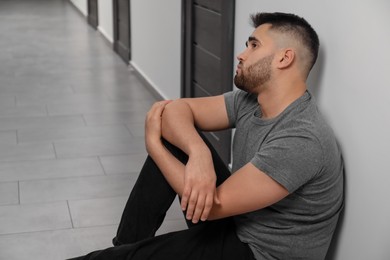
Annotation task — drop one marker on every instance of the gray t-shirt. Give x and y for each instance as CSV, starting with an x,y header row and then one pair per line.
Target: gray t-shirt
x,y
298,150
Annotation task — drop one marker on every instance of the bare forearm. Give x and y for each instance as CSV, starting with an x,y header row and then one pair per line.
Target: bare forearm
x,y
248,189
194,182
171,168
178,127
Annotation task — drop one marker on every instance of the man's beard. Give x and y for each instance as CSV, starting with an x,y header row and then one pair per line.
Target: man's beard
x,y
255,76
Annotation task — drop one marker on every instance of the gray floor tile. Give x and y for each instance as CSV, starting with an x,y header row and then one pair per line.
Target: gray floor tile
x,y
60,133
115,118
97,147
58,98
9,193
97,107
55,244
174,220
75,188
41,122
175,212
34,217
123,163
8,137
118,88
49,169
137,129
7,101
20,152
171,226
28,111
27,85
131,94
97,212
116,78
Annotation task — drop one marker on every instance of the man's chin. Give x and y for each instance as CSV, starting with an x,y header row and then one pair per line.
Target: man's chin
x,y
243,88
238,83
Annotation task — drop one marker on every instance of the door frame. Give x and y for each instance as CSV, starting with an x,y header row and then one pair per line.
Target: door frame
x,y
117,48
227,57
227,53
91,16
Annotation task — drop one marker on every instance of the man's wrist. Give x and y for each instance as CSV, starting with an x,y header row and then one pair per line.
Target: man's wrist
x,y
199,149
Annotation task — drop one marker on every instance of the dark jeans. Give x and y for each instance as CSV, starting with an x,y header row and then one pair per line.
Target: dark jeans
x,y
144,213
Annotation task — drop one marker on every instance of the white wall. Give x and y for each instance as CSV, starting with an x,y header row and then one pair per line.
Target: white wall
x,y
353,89
82,5
105,16
156,43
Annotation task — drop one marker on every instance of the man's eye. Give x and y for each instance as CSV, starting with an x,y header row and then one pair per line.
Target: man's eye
x,y
252,45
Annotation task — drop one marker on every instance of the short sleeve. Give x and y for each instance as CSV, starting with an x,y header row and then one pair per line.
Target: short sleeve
x,y
231,112
291,160
237,103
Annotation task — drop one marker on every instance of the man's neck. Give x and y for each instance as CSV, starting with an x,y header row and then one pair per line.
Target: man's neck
x,y
275,100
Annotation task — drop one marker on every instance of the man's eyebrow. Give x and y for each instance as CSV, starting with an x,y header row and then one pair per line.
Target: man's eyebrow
x,y
251,39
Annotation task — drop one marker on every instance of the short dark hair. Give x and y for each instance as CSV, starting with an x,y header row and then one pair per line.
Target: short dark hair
x,y
293,24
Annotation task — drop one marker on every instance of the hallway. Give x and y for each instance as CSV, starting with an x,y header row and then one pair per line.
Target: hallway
x,y
71,133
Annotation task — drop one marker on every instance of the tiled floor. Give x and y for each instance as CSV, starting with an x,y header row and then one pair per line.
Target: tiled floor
x,y
71,133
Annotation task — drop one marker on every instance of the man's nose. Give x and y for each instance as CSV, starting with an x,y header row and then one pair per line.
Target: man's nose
x,y
242,56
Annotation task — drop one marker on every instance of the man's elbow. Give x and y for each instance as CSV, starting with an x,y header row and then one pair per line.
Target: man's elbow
x,y
176,110
175,114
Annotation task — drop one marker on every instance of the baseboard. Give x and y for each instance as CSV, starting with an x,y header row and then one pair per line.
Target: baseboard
x,y
105,34
78,10
152,89
108,40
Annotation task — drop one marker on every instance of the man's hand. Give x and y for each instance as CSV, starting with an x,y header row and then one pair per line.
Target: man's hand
x,y
153,124
199,186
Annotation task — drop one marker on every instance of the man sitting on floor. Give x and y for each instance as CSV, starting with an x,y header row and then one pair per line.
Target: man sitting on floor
x,y
282,200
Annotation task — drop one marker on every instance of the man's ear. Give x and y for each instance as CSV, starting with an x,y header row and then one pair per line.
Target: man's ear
x,y
285,58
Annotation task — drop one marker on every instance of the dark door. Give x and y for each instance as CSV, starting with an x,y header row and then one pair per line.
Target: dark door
x,y
208,37
121,10
93,13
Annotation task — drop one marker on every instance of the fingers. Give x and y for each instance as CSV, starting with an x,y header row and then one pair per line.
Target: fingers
x,y
192,203
207,207
197,205
153,124
158,108
153,117
185,197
